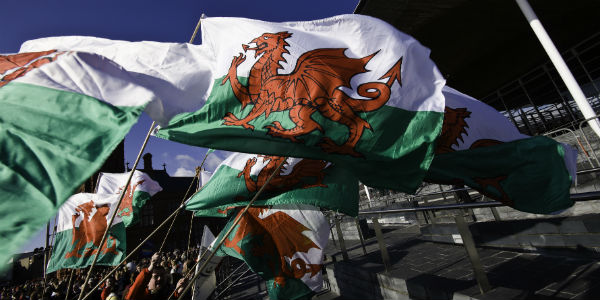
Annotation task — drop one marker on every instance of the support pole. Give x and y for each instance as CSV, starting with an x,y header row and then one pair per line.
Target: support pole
x,y
69,284
560,65
235,223
196,177
177,212
46,256
360,236
331,231
124,190
340,235
134,251
469,243
112,218
385,256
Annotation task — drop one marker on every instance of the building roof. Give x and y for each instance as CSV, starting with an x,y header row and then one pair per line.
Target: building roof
x,y
480,45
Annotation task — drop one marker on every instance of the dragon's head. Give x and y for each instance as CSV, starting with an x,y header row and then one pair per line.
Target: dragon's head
x,y
269,42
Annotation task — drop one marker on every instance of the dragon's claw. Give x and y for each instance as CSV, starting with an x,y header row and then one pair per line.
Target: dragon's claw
x,y
231,120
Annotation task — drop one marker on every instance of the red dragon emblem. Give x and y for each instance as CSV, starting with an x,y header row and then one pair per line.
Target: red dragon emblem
x,y
313,86
281,183
453,129
281,237
126,207
90,230
22,63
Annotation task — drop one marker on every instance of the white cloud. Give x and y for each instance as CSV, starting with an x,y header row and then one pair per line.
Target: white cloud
x,y
184,158
215,159
183,172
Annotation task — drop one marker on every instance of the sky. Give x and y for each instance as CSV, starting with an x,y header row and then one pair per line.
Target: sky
x,y
151,20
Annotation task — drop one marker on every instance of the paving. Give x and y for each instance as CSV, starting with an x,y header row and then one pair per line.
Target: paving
x,y
431,270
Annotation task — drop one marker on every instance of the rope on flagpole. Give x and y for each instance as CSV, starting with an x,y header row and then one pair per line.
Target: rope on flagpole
x,y
178,210
134,251
196,177
69,284
191,269
51,242
192,217
124,190
235,223
112,218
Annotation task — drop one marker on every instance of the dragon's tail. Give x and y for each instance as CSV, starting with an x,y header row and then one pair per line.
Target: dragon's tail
x,y
379,93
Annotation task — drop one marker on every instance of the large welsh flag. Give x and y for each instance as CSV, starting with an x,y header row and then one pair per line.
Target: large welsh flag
x,y
300,181
140,189
61,115
481,148
349,89
283,244
81,223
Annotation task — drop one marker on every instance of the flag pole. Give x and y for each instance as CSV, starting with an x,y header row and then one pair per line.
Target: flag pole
x,y
197,177
192,217
134,250
235,223
178,210
560,65
46,251
69,284
112,218
128,181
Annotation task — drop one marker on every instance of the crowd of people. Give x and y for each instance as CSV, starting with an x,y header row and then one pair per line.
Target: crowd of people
x,y
152,278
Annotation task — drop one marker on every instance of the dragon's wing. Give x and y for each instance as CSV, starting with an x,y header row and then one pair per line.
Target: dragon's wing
x,y
318,73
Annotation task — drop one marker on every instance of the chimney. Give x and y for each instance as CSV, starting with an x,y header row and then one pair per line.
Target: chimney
x,y
147,161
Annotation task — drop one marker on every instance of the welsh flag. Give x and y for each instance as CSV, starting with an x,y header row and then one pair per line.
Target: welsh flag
x,y
61,115
140,189
283,244
481,148
205,177
82,220
300,181
349,89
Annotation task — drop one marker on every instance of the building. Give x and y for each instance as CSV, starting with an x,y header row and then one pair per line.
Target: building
x,y
161,206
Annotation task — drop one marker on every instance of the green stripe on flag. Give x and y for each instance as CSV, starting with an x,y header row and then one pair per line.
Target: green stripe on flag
x,y
51,141
528,174
65,256
226,190
131,217
400,143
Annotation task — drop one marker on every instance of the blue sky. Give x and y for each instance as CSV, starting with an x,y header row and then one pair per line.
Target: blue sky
x,y
135,20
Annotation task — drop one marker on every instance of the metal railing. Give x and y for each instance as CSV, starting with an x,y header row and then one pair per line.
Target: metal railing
x,y
463,228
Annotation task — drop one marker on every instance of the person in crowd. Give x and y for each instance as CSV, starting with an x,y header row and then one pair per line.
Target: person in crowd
x,y
151,283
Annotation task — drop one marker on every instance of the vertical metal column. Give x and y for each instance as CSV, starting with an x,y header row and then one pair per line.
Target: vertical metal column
x,y
587,74
443,193
385,257
565,102
469,243
507,110
533,104
360,236
341,238
331,230
429,213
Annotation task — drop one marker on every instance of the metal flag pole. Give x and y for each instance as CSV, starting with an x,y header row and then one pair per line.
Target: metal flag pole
x,y
235,223
560,65
112,218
